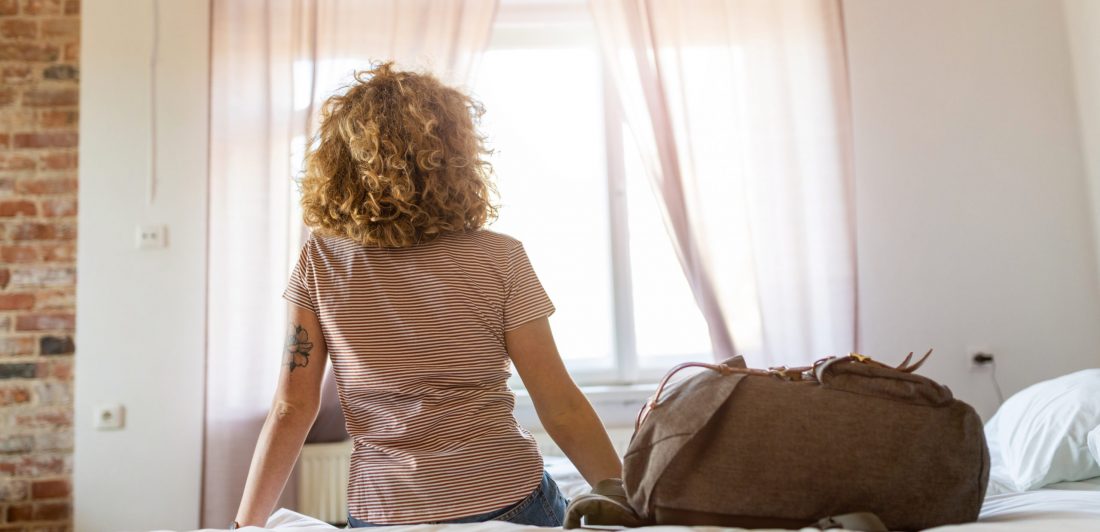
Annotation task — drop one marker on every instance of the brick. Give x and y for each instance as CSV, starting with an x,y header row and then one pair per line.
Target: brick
x,y
21,51
7,96
72,7
14,395
45,420
42,231
47,527
53,441
51,489
51,97
14,346
59,207
16,444
20,119
72,52
56,345
18,28
52,511
42,7
55,300
57,119
18,254
19,513
5,323
16,162
13,491
46,186
14,74
61,369
20,370
45,322
61,28
42,277
53,393
65,252
9,8
53,139
17,208
32,231
36,465
5,277
61,71
16,301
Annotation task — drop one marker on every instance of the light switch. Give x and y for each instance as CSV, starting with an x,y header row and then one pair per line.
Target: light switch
x,y
110,417
152,236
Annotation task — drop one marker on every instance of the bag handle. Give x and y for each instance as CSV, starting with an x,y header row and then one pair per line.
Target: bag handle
x,y
606,505
813,372
861,521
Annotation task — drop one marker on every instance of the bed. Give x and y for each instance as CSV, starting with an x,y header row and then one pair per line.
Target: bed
x,y
1036,439
1065,507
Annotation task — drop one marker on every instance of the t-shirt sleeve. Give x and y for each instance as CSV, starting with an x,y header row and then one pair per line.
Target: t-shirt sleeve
x,y
298,288
524,300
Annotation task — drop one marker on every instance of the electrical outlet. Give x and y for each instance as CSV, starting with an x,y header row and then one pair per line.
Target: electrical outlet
x,y
980,356
110,417
152,236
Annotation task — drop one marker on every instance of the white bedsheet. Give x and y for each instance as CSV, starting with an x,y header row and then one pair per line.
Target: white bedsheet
x,y
1068,507
1063,507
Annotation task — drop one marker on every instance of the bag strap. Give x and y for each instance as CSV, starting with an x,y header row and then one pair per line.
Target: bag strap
x,y
605,506
861,521
736,365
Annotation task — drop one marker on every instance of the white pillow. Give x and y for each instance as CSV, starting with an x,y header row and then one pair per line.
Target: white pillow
x,y
1042,432
1094,444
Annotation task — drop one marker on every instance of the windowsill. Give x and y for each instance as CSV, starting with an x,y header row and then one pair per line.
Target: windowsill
x,y
617,405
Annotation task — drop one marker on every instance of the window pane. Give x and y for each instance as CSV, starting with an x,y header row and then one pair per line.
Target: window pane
x,y
669,328
544,120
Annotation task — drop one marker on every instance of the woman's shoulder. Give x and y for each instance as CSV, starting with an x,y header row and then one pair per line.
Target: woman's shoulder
x,y
489,239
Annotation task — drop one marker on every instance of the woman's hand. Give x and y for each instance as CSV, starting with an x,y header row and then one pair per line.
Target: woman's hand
x,y
292,414
564,411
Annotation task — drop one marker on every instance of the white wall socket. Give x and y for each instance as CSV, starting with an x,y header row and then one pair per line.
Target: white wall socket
x,y
110,417
153,236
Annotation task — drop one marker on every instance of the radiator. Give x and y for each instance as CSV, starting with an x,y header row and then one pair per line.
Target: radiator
x,y
323,481
323,474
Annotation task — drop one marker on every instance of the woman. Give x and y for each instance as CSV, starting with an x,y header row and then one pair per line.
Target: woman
x,y
421,311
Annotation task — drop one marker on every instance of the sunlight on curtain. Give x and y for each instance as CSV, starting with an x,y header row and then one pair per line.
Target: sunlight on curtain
x,y
740,112
550,172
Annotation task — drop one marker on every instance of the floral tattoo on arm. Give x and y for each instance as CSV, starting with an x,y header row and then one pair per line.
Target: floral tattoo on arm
x,y
298,347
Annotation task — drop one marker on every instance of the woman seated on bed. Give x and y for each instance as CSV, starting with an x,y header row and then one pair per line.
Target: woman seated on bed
x,y
420,310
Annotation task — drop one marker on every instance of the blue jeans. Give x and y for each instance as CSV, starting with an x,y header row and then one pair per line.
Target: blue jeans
x,y
543,507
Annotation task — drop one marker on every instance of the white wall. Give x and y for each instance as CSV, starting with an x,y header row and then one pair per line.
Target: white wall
x,y
1083,24
973,218
140,314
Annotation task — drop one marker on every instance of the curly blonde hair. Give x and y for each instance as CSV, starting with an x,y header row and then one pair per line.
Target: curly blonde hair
x,y
398,161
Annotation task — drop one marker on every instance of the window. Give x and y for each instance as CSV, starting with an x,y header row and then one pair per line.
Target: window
x,y
573,189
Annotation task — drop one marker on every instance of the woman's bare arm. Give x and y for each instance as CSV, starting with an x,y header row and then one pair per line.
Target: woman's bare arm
x,y
564,411
292,414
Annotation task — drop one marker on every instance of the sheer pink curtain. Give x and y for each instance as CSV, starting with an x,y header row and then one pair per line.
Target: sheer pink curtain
x,y
740,110
274,62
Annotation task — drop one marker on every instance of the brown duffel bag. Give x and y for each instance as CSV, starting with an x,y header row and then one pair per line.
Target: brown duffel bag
x,y
834,444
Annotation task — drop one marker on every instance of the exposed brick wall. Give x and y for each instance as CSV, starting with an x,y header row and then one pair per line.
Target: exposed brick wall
x,y
39,82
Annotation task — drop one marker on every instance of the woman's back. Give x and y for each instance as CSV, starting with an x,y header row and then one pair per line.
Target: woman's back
x,y
416,338
420,310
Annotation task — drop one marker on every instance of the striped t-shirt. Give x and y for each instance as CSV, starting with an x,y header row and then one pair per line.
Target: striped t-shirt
x,y
416,339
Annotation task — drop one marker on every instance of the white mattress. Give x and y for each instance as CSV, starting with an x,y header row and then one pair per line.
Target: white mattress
x,y
1065,507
